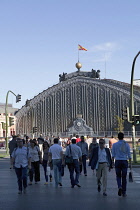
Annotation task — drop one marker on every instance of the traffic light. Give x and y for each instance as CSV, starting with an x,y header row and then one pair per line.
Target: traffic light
x,y
11,121
125,113
18,98
34,129
136,119
3,125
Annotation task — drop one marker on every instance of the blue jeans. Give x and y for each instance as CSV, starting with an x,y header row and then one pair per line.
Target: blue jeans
x,y
121,173
72,167
84,158
21,177
57,171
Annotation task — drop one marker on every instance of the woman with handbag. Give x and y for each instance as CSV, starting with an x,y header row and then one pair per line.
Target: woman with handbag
x,y
46,168
36,159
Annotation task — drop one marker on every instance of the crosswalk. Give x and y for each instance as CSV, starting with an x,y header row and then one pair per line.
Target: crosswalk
x,y
136,177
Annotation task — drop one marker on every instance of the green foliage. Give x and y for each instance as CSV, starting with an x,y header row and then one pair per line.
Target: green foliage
x,y
120,124
3,155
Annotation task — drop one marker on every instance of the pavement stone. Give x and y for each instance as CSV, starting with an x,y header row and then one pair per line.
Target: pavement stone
x,y
42,197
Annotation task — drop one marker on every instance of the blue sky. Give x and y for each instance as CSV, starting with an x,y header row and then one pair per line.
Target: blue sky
x,y
39,40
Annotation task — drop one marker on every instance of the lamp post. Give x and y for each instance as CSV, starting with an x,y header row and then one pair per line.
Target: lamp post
x,y
18,98
132,108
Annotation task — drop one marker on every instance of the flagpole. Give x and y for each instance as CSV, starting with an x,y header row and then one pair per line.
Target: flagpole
x,y
78,54
105,65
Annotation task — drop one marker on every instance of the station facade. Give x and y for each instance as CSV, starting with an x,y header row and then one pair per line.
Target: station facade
x,y
83,93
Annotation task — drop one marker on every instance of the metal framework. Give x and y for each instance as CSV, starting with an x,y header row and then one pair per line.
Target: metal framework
x,y
97,100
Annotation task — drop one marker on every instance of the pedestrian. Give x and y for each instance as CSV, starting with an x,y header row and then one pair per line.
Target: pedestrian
x,y
100,160
88,140
92,145
68,142
36,159
77,139
84,148
47,139
21,159
51,140
45,162
60,141
121,154
27,141
111,142
56,157
12,145
106,141
40,141
74,151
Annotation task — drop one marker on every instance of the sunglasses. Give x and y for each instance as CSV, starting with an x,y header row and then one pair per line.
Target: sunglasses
x,y
101,142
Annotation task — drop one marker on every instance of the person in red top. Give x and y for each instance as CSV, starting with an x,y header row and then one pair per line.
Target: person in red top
x,y
111,142
77,139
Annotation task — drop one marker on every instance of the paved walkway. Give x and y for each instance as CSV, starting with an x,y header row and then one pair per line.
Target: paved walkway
x,y
41,197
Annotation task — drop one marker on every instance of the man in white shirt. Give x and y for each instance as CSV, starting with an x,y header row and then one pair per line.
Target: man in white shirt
x,y
106,141
56,155
21,159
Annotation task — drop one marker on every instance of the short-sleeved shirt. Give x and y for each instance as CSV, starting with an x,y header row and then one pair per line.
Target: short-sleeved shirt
x,y
21,156
106,142
34,152
55,150
76,152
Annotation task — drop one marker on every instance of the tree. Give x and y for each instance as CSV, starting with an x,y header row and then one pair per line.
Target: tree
x,y
120,124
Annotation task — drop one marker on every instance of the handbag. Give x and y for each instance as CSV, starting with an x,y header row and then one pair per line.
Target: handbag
x,y
130,176
69,159
50,164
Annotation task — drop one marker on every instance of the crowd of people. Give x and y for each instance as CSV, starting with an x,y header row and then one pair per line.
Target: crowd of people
x,y
27,155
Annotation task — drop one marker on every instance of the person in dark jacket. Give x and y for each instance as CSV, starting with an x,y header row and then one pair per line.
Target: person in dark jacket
x,y
100,160
12,146
92,145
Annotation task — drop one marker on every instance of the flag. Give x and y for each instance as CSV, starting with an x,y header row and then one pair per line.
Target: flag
x,y
81,48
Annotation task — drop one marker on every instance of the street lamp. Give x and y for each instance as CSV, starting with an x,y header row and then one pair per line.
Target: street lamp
x,y
18,98
132,109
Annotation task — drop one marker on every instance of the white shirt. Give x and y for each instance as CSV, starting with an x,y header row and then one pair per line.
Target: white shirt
x,y
55,150
102,156
21,156
34,153
106,142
